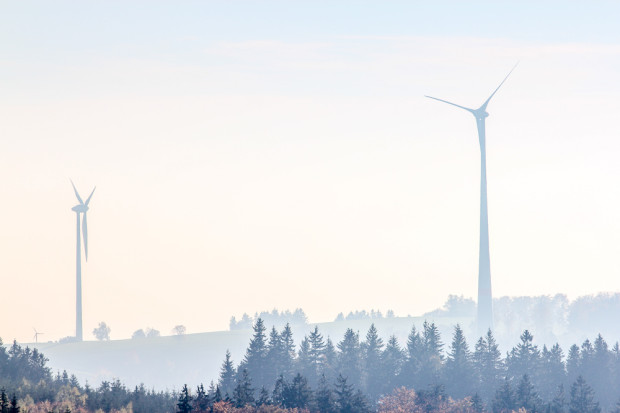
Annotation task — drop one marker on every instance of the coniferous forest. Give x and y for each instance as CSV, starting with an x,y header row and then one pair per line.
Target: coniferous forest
x,y
356,374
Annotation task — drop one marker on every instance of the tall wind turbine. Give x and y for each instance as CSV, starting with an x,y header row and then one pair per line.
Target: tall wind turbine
x,y
484,318
81,208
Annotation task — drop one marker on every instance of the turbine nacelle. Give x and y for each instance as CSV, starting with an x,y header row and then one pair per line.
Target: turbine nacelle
x,y
80,208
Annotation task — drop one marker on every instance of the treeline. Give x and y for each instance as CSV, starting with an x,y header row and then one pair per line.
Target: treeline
x,y
27,385
275,318
528,377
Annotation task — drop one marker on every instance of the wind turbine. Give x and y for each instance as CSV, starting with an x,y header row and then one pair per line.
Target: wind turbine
x,y
36,335
81,208
484,318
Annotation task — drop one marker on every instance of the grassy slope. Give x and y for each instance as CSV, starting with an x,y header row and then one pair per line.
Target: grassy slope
x,y
169,362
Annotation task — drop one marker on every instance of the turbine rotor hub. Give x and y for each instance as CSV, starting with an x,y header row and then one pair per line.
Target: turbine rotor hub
x,y
80,208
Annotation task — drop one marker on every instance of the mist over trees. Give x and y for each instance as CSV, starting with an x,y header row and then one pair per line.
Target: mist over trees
x,y
424,373
360,372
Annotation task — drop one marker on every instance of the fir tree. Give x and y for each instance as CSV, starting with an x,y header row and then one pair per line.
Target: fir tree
x,y
526,395
277,396
274,357
263,397
202,401
524,359
316,356
558,403
476,404
432,355
256,355
411,368
374,377
330,363
324,396
14,408
573,363
551,371
288,351
185,401
392,360
244,393
4,401
488,365
582,398
344,395
458,375
349,357
303,362
227,375
504,400
297,394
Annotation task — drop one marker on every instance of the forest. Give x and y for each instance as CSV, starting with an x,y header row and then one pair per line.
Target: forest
x,y
353,375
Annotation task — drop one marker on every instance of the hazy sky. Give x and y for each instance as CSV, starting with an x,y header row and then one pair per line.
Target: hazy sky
x,y
259,154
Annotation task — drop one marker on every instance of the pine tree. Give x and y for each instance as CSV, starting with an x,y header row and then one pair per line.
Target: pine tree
x,y
524,359
558,403
488,366
324,396
373,376
476,404
263,397
349,359
601,372
526,395
330,363
504,400
411,368
288,351
244,393
458,372
432,355
274,357
14,408
303,362
255,357
277,396
227,375
4,401
582,398
344,395
185,401
316,356
392,360
297,394
552,371
202,402
573,363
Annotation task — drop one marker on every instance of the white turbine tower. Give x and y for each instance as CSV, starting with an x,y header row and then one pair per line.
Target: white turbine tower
x,y
484,318
81,208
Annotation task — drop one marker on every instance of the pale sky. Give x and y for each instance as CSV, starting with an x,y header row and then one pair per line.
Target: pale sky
x,y
251,155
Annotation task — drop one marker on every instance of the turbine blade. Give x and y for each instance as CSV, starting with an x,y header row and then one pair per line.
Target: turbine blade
x,y
76,193
484,106
90,196
450,103
85,236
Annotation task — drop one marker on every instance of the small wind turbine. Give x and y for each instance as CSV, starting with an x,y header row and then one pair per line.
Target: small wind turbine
x,y
81,208
36,335
485,297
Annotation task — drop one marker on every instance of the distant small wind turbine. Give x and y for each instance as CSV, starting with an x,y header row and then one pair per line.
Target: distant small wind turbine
x,y
485,297
36,335
81,208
